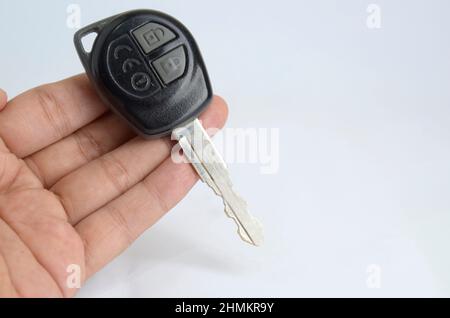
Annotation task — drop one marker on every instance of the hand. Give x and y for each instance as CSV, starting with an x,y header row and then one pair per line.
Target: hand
x,y
77,186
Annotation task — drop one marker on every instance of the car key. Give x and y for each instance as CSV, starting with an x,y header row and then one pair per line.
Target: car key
x,y
148,68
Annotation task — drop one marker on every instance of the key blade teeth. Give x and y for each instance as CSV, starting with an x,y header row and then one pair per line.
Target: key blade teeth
x,y
251,231
254,241
254,236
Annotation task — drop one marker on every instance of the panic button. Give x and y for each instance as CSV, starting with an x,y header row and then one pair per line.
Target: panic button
x,y
171,66
153,35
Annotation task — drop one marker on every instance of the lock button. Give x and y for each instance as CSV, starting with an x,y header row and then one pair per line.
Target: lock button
x,y
152,36
171,66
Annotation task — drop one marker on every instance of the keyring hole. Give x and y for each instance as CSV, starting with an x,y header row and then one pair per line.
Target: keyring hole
x,y
88,41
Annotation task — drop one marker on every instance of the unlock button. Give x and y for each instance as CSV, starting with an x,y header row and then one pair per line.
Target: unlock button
x,y
172,65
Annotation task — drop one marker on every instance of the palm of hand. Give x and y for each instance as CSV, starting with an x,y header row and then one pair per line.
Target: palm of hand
x,y
77,187
36,236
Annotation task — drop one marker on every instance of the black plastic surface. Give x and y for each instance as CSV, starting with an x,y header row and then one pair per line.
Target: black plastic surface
x,y
126,79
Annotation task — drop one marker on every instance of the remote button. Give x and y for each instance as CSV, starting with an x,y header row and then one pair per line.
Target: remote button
x,y
152,35
171,66
129,70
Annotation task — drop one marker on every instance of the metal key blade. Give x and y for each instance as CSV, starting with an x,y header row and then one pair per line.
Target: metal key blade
x,y
201,153
205,177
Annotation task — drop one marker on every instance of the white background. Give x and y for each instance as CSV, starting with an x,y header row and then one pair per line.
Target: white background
x,y
364,152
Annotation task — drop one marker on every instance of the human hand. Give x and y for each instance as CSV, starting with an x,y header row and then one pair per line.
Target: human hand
x,y
77,186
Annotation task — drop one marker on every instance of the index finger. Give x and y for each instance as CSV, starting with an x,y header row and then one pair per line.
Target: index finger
x,y
46,114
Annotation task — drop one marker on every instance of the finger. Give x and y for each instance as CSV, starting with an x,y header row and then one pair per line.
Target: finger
x,y
88,143
3,99
47,114
100,181
110,230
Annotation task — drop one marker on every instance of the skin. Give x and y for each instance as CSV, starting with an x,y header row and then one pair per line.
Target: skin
x,y
77,186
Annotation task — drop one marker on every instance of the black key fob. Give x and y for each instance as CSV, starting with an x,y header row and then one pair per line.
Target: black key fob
x,y
148,68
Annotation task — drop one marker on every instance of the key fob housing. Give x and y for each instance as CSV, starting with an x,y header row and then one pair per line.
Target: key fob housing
x,y
148,68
